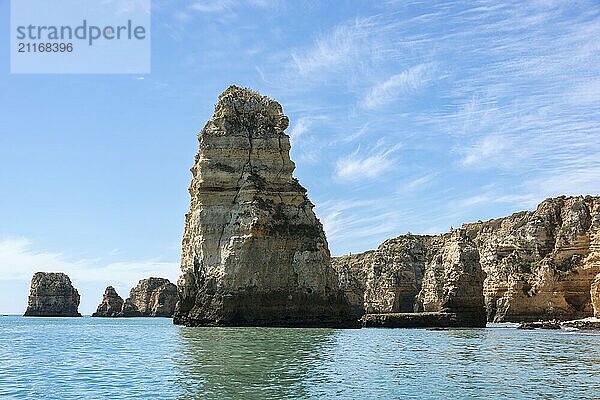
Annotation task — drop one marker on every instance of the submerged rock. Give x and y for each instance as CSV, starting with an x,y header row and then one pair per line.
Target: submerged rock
x,y
152,297
52,295
420,320
253,251
539,325
112,304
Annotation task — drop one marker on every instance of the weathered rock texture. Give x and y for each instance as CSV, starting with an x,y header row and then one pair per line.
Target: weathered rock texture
x,y
112,304
595,296
540,265
253,251
439,276
52,295
152,297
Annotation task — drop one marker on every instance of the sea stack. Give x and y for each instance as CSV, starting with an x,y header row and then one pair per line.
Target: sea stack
x,y
112,304
52,295
253,251
151,297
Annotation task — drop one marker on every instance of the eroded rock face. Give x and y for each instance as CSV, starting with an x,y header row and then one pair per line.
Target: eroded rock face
x,y
151,297
52,295
386,280
112,304
253,251
539,265
438,275
453,279
595,296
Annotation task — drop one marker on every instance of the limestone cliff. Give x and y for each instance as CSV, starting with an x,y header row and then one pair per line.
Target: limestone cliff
x,y
151,297
410,273
453,279
538,265
253,251
112,304
52,295
595,296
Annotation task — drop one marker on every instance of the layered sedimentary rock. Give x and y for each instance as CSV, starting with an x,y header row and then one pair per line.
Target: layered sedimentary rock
x,y
539,265
112,304
152,297
52,295
253,251
595,296
439,276
453,279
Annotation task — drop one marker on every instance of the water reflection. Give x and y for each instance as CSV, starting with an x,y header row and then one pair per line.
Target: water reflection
x,y
248,363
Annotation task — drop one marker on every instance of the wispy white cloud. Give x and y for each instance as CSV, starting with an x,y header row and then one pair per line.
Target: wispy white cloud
x,y
20,259
489,151
332,52
417,183
371,164
407,82
299,128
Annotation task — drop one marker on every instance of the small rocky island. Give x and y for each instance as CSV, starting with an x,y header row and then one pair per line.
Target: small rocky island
x,y
253,252
152,297
52,295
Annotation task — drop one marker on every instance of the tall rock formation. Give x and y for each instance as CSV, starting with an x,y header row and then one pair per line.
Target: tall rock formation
x,y
52,295
253,251
112,304
538,264
151,297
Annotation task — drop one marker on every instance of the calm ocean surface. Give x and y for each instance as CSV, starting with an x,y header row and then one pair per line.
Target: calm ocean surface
x,y
149,358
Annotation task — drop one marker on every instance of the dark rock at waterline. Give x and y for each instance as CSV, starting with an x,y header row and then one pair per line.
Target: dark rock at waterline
x,y
151,297
423,320
112,304
539,325
52,295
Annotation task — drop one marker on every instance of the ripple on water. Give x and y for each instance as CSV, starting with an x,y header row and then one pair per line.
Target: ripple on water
x,y
147,358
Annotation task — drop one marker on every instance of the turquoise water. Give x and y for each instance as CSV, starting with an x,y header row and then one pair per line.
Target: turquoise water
x,y
149,358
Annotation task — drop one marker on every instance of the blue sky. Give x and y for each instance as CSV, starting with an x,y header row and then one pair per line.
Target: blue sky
x,y
405,117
